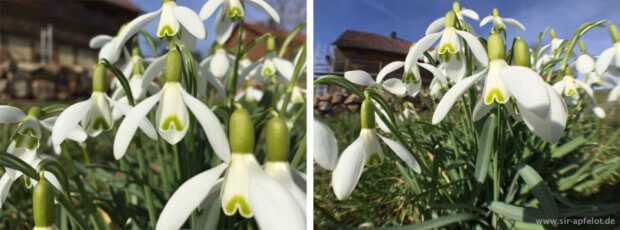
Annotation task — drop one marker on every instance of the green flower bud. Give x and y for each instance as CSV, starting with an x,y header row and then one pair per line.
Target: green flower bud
x,y
271,44
368,115
277,140
456,6
521,53
241,133
43,203
495,12
450,19
34,111
164,1
99,78
137,67
495,47
552,33
173,66
135,51
613,31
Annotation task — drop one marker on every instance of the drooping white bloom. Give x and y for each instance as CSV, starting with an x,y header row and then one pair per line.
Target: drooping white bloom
x,y
325,146
568,87
231,12
614,95
274,66
585,65
461,13
250,94
392,85
501,22
107,47
365,150
32,158
605,59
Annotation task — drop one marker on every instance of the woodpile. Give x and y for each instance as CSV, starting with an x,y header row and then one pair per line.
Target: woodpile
x,y
43,82
336,103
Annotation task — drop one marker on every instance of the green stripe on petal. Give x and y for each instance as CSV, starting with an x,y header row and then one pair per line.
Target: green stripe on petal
x,y
101,123
494,94
165,30
238,203
172,119
374,159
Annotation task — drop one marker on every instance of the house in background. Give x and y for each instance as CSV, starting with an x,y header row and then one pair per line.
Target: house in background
x,y
44,44
253,30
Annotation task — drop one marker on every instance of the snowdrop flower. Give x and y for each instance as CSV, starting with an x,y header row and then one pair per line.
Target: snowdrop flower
x,y
541,109
231,12
392,85
273,66
614,95
220,62
325,146
585,65
43,208
136,83
28,133
277,145
173,18
499,23
607,56
107,47
365,150
568,87
250,94
439,81
93,115
461,13
172,117
245,188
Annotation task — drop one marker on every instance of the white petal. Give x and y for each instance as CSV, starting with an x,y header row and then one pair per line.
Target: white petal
x,y
586,88
585,64
598,111
282,172
77,134
187,197
551,127
453,95
267,8
10,114
145,125
272,205
476,47
219,64
395,86
436,73
614,95
481,109
172,117
527,87
110,51
219,87
604,60
389,68
284,68
223,27
435,26
133,27
153,70
188,39
208,8
349,169
559,86
359,77
5,186
414,88
190,21
211,125
325,146
514,23
402,153
128,127
422,46
486,20
99,40
470,14
236,186
68,120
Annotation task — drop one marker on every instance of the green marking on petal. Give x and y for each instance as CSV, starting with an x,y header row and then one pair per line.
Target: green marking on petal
x,y
447,47
235,13
19,140
32,143
100,123
172,119
374,159
570,92
267,72
165,30
494,94
238,201
28,131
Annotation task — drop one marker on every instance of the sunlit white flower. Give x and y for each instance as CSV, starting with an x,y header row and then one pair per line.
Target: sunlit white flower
x,y
392,85
325,146
32,158
172,117
585,65
245,189
231,12
366,149
461,13
568,87
172,20
614,95
439,81
136,85
274,66
605,59
500,23
249,94
107,47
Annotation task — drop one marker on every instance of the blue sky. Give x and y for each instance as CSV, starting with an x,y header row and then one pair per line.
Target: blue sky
x,y
252,15
409,18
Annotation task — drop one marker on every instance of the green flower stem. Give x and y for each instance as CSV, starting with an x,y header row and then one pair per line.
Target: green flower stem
x,y
91,170
291,85
232,84
162,152
148,194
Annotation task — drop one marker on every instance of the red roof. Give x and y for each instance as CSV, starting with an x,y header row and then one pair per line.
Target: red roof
x,y
260,28
366,40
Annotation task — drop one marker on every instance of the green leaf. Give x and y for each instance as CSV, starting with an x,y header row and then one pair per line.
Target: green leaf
x,y
122,79
189,68
519,213
290,38
253,42
485,149
55,108
540,189
438,222
339,81
13,162
150,41
68,206
52,166
567,148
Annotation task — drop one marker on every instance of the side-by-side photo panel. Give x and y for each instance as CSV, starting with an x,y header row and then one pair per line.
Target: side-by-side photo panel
x,y
466,115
